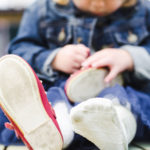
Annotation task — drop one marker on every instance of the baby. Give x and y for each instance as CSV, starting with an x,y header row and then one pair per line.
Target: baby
x,y
64,37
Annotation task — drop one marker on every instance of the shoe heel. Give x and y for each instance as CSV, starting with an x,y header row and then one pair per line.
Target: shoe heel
x,y
44,137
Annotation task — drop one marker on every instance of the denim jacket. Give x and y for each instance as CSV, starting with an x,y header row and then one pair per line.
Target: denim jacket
x,y
47,26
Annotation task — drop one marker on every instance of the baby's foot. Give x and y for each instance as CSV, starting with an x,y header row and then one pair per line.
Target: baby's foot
x,y
96,119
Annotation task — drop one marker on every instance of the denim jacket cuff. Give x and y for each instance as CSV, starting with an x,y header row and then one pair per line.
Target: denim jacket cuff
x,y
141,59
47,69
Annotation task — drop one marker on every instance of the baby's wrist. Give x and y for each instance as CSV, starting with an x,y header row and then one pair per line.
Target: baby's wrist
x,y
55,63
129,59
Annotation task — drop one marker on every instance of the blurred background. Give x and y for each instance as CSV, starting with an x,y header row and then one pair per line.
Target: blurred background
x,y
10,15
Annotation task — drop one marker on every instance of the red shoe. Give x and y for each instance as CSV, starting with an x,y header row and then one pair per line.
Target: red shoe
x,y
88,83
24,102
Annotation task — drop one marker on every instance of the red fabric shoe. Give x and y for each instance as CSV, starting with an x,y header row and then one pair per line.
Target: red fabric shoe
x,y
88,83
24,102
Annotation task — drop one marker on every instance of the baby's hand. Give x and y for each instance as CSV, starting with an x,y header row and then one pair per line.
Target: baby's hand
x,y
116,60
70,58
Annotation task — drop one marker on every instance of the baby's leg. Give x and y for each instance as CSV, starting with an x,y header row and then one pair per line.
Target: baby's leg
x,y
62,108
103,123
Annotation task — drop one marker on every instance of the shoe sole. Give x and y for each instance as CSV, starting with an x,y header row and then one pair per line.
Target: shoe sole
x,y
97,120
87,84
24,106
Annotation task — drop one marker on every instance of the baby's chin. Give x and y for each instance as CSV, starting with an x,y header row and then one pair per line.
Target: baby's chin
x,y
101,14
97,13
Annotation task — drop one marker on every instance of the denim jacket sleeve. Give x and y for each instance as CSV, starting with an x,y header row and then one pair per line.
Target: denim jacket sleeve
x,y
141,53
31,46
141,70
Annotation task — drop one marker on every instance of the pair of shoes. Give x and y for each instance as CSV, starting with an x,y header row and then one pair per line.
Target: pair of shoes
x,y
88,83
24,102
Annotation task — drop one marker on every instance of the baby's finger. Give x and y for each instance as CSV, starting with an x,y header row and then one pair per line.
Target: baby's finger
x,y
74,70
83,50
112,74
76,65
79,59
101,63
89,61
